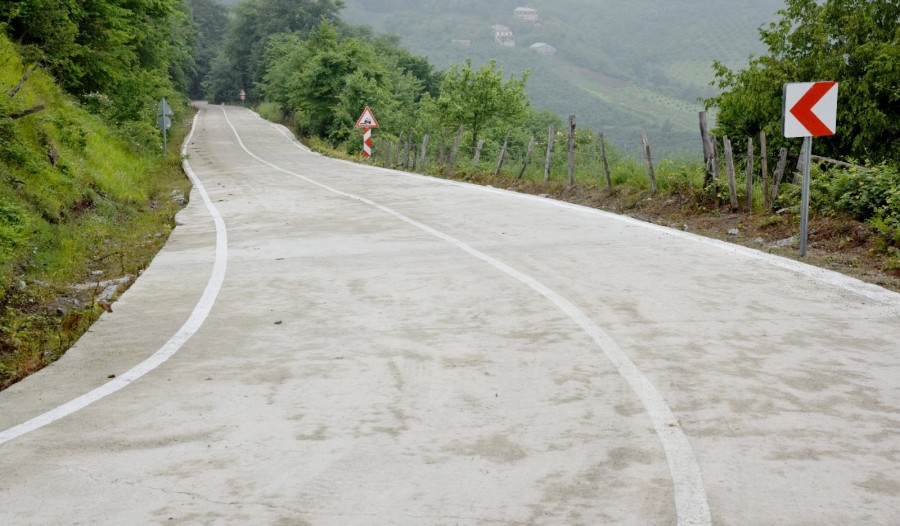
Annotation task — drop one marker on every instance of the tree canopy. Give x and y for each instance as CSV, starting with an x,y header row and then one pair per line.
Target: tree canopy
x,y
241,62
118,57
481,99
854,42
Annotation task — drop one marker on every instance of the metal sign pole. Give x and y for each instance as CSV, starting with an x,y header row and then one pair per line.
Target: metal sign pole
x,y
804,199
163,121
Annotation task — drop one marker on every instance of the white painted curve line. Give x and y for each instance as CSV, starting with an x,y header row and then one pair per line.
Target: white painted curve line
x,y
822,275
191,326
691,504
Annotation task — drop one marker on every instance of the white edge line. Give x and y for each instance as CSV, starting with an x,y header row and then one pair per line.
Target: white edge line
x,y
691,504
188,329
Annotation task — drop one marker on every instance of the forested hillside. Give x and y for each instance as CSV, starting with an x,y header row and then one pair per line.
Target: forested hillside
x,y
620,65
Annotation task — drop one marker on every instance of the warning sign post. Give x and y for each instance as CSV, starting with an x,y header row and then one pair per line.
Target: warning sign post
x,y
367,121
810,110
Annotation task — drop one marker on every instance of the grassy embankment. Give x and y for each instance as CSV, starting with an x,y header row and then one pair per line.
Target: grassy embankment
x,y
79,204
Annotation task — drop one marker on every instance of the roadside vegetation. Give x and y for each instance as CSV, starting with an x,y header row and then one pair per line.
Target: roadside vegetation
x,y
87,197
855,203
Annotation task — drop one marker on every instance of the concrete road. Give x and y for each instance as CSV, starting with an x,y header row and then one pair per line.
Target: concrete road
x,y
331,344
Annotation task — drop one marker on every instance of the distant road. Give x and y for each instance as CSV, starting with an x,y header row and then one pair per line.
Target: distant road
x,y
327,343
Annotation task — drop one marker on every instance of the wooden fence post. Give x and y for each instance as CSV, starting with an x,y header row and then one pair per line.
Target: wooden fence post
x,y
455,149
424,151
551,135
764,166
502,155
22,81
729,166
649,161
605,160
409,138
571,150
399,151
798,175
527,158
477,156
779,171
749,174
714,160
404,155
707,153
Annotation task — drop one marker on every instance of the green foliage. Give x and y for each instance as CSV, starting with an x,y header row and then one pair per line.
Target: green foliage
x,y
871,195
119,57
211,19
242,63
481,100
621,66
855,42
102,202
326,80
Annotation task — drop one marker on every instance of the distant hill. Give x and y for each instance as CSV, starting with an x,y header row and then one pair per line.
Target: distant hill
x,y
620,65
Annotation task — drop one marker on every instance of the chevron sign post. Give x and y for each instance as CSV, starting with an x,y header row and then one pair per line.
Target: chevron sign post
x,y
810,110
367,121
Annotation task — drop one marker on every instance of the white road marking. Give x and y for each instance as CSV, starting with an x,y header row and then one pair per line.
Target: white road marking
x,y
191,326
828,277
691,505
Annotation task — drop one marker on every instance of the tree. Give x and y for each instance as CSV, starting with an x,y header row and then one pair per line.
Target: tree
x,y
325,81
241,63
481,99
211,20
119,57
855,42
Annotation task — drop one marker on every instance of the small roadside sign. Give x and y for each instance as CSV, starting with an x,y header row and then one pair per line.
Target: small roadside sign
x,y
243,95
367,119
810,109
164,108
163,122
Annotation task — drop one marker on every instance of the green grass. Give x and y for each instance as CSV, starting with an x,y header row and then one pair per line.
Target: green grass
x,y
103,209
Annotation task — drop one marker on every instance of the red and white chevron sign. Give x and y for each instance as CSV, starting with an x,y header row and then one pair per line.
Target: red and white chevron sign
x,y
367,142
810,109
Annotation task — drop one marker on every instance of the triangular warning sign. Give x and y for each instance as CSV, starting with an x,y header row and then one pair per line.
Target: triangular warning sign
x,y
367,120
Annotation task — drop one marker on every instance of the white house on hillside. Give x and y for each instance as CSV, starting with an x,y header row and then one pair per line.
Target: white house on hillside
x,y
527,14
503,35
543,49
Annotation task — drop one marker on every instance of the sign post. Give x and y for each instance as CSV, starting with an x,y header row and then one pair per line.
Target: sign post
x,y
163,121
243,96
367,121
810,110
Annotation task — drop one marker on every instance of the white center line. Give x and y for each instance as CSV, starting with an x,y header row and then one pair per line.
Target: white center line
x,y
691,505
